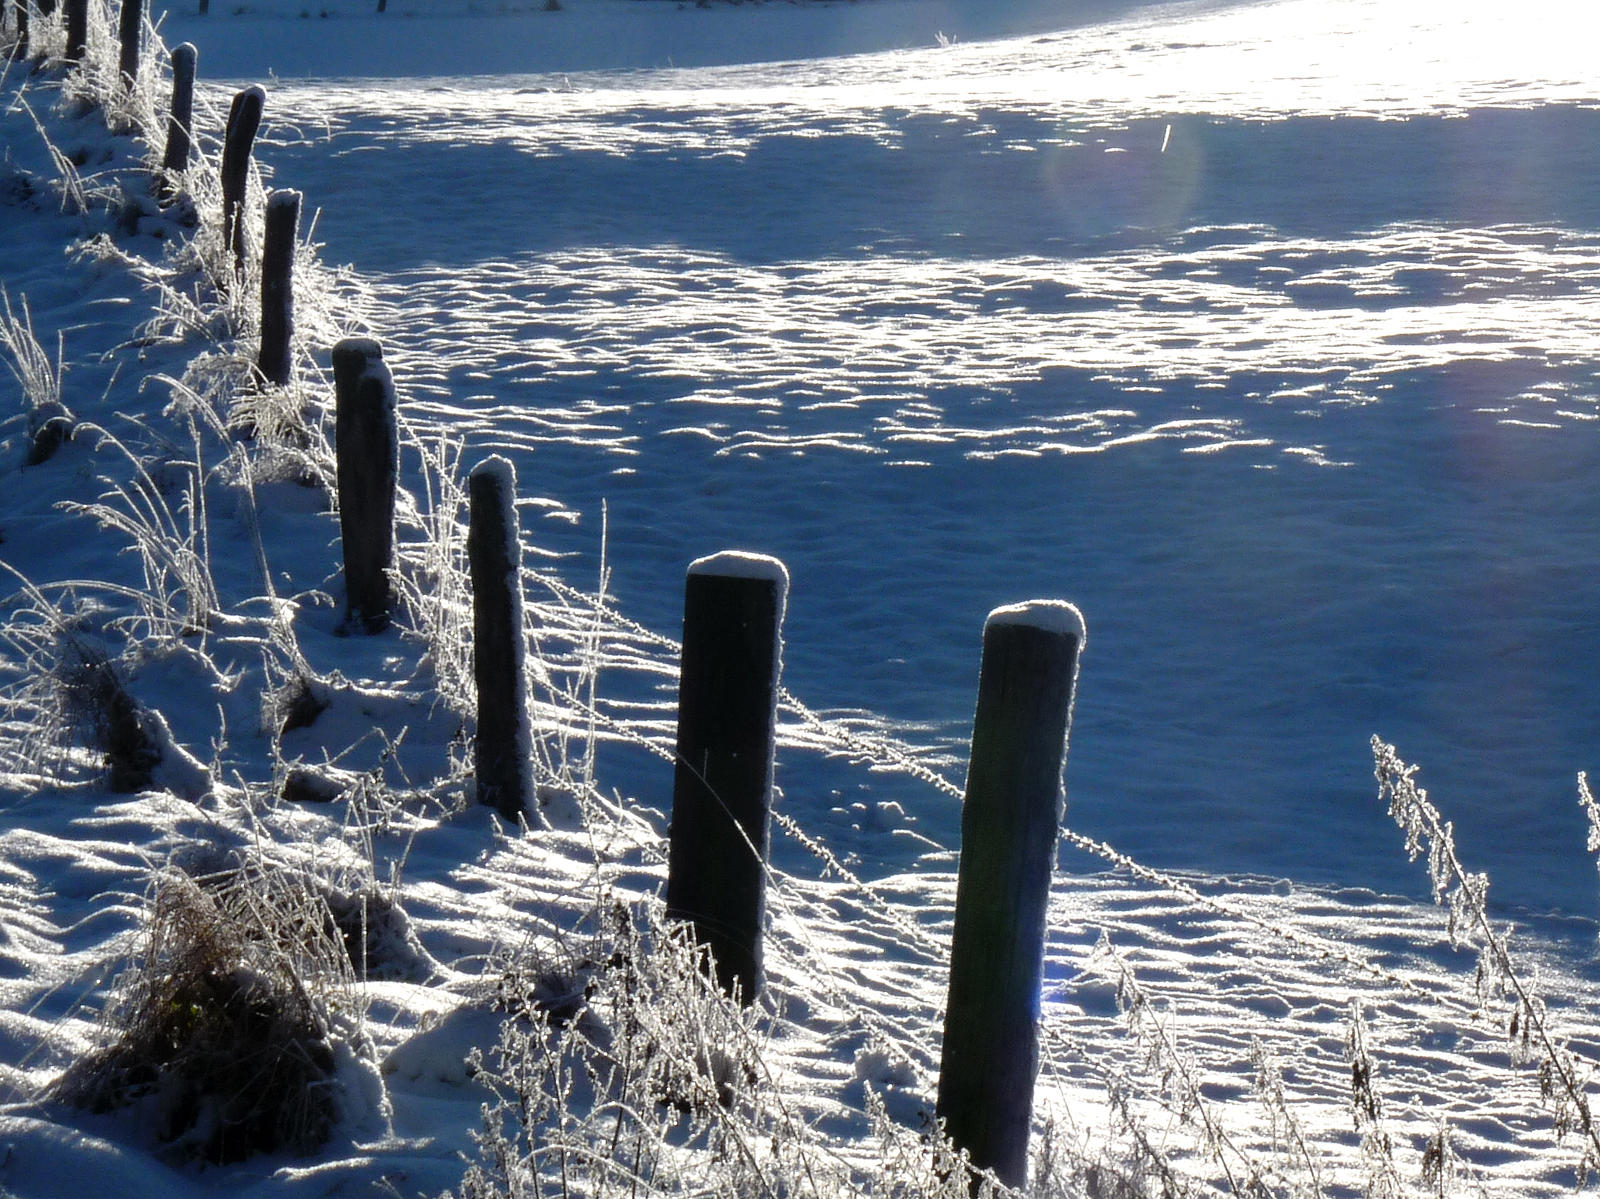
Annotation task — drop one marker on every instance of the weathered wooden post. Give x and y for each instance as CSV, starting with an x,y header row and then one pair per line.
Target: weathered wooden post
x,y
275,359
77,30
19,49
503,750
130,28
722,783
244,120
367,451
180,119
1009,826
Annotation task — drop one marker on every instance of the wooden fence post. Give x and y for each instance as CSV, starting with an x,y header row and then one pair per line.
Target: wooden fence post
x,y
19,50
1008,844
244,120
180,119
722,782
275,360
77,30
503,749
130,27
367,451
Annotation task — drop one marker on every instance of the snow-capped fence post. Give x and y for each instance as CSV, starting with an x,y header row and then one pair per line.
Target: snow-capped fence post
x,y
722,782
244,120
503,749
1009,825
175,161
367,452
130,26
275,360
77,30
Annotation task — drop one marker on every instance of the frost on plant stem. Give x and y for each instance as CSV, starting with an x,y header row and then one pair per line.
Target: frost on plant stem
x,y
1591,812
1366,1108
1564,1078
1178,1085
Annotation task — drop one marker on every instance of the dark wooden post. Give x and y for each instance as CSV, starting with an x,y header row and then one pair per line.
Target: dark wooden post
x,y
503,750
722,784
19,50
367,449
77,29
1008,845
244,120
180,120
275,361
130,28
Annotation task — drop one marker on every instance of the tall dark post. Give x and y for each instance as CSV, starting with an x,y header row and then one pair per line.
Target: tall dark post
x,y
244,120
722,783
1008,843
367,450
275,361
77,29
130,28
180,120
19,49
503,749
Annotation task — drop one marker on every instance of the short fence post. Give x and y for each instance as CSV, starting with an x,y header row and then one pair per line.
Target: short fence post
x,y
275,361
244,120
130,26
503,750
367,451
180,120
722,783
77,30
1008,843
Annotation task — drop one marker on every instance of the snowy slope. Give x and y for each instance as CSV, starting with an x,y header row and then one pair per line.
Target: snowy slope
x,y
941,327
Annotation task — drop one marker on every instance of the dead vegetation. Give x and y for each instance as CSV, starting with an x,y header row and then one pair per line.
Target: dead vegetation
x,y
226,1032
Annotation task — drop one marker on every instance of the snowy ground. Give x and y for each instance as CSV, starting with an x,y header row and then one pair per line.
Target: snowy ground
x,y
1263,332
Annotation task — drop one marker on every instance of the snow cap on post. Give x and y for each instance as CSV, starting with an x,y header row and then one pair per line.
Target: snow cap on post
x,y
742,564
1050,615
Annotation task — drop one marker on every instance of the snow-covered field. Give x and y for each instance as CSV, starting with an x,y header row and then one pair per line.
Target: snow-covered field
x,y
1263,332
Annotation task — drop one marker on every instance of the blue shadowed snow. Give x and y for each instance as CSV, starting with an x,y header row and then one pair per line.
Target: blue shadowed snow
x,y
1338,376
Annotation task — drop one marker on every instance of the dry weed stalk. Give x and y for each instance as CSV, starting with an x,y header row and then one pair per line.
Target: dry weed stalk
x,y
1564,1078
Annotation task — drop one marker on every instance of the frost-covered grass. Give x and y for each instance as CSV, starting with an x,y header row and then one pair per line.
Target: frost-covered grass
x,y
300,898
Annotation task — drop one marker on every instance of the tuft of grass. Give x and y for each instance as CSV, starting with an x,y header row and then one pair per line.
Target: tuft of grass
x,y
224,1039
49,421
